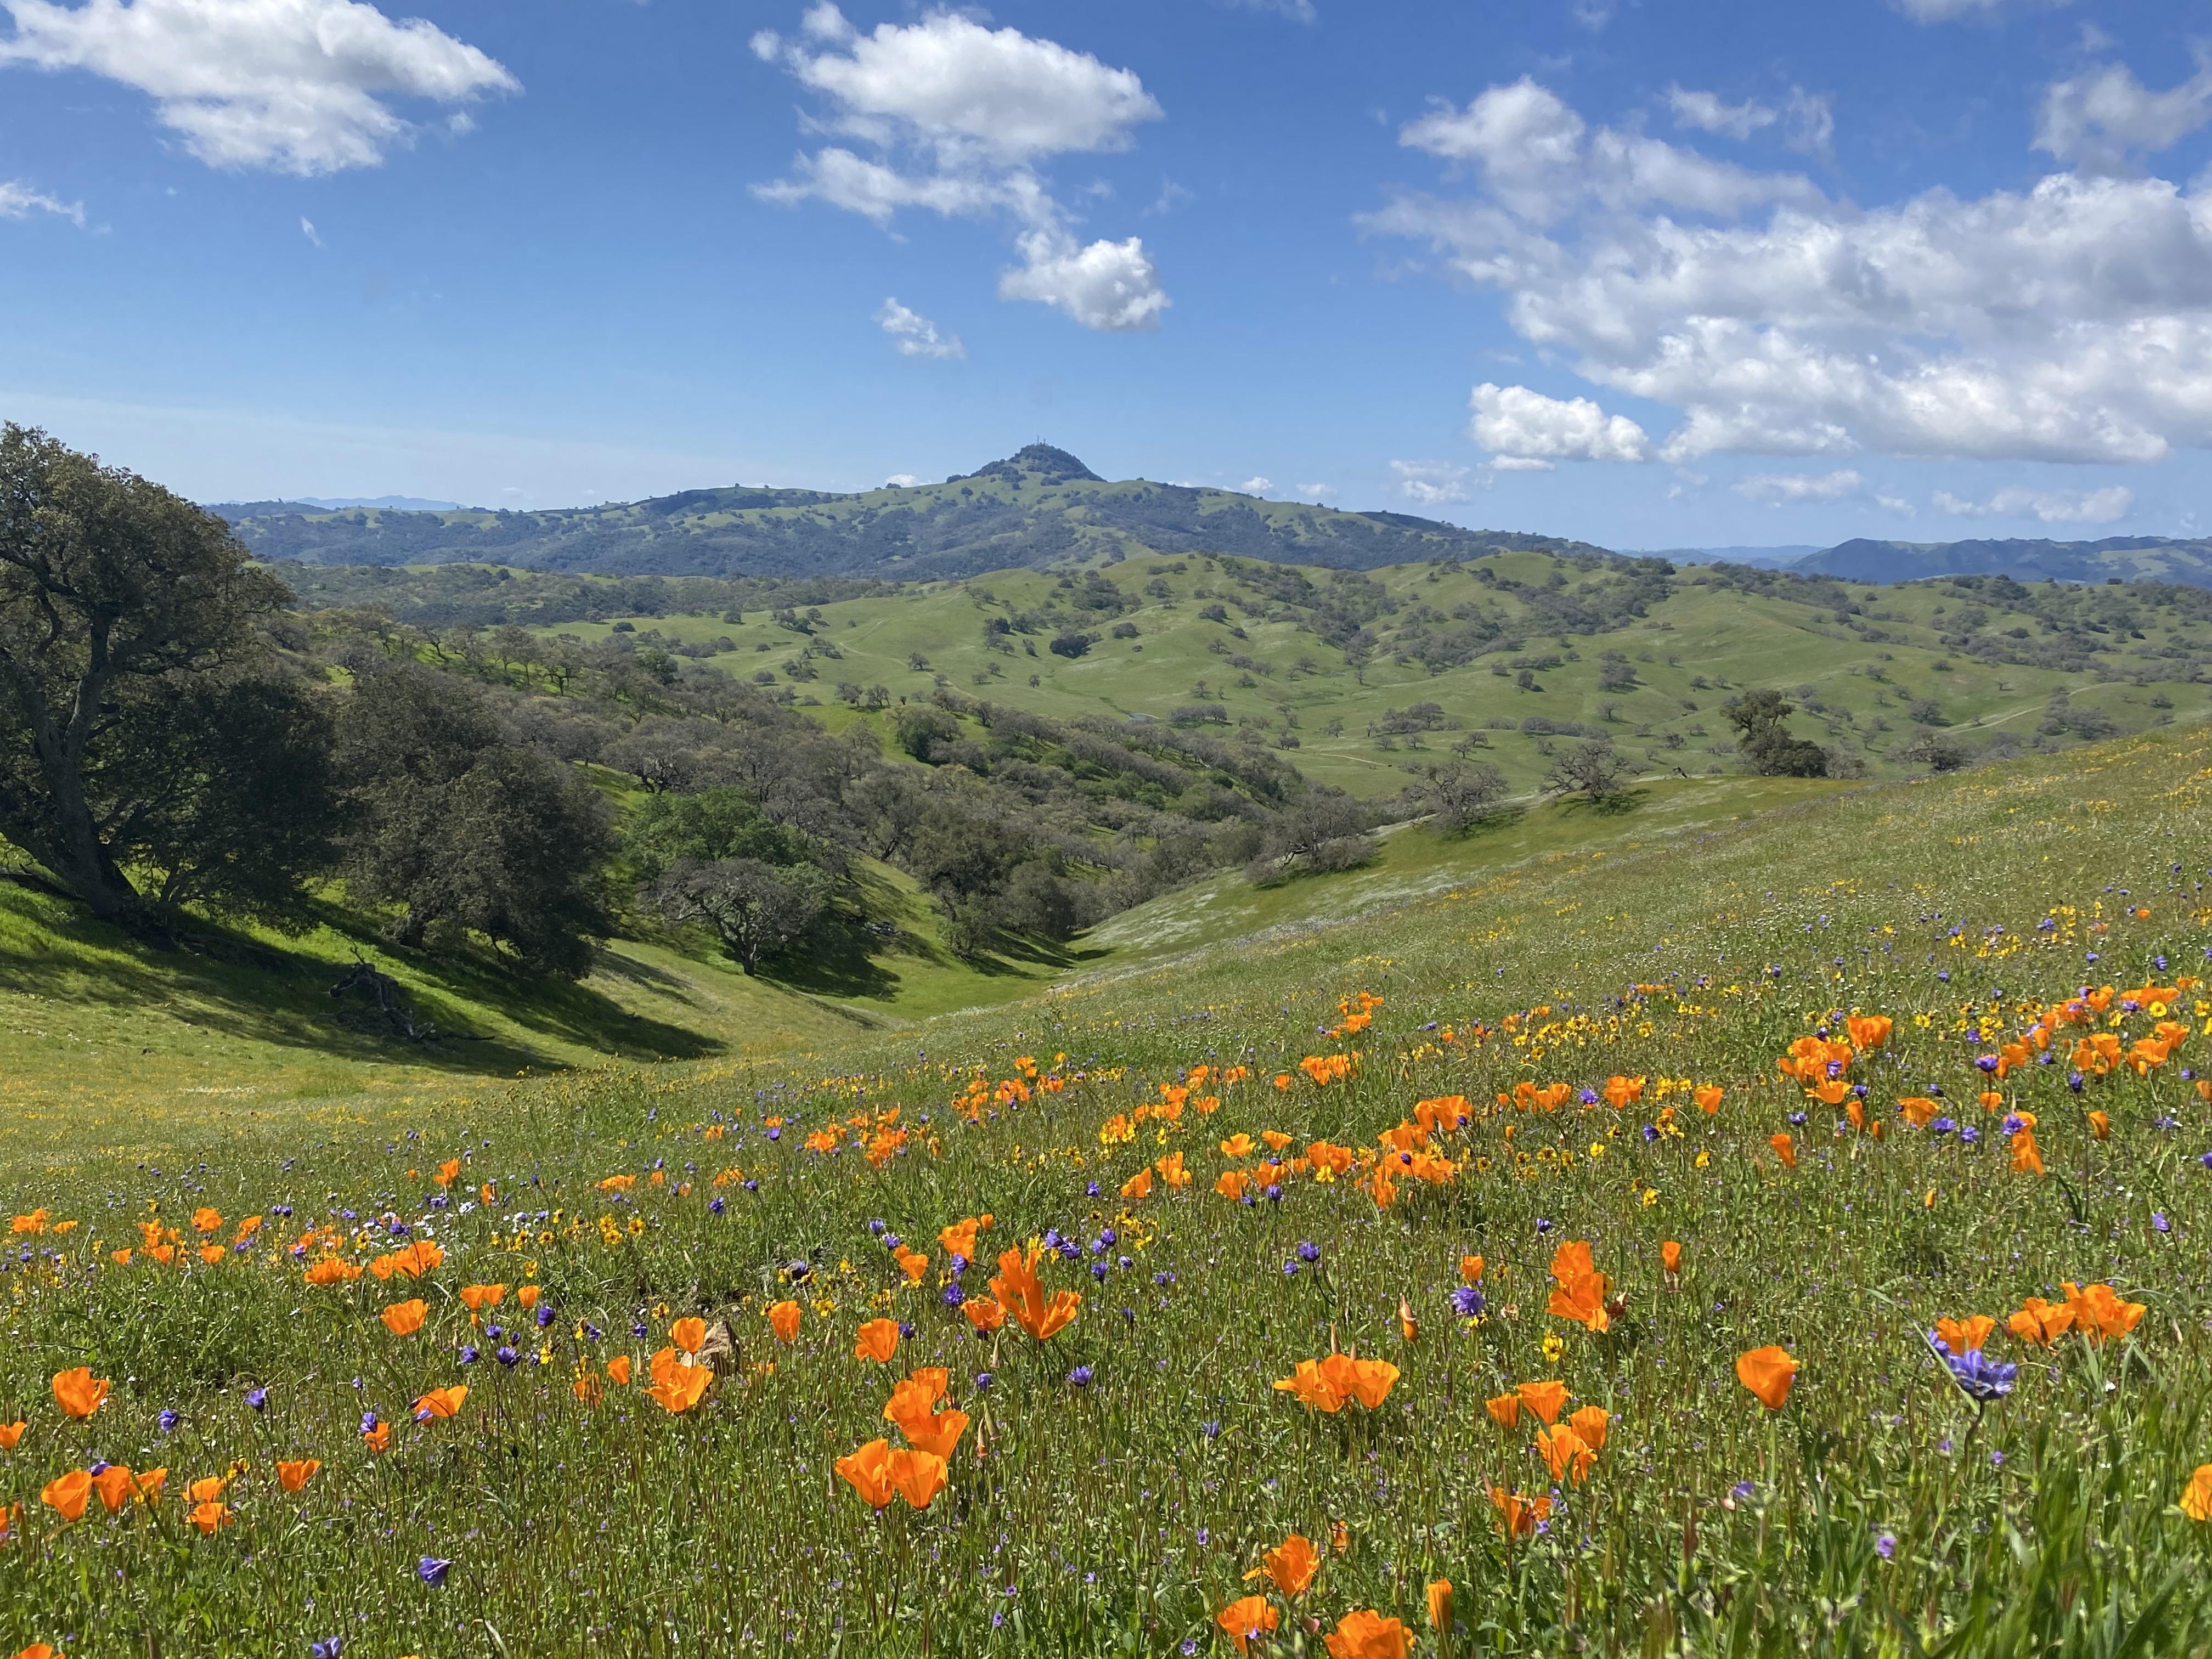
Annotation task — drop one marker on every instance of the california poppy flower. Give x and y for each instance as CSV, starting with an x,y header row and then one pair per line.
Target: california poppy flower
x,y
331,1270
913,1263
1318,1389
1581,1289
2098,1311
1408,1327
937,1433
984,1313
918,1475
1708,1098
208,1488
688,1333
2041,1322
1505,1409
1440,1606
68,1493
959,1238
1589,1424
78,1392
1767,1372
213,1254
1366,1635
1670,1257
1785,1148
1017,1288
11,1434
527,1296
378,1436
618,1369
37,1650
865,1472
2026,1156
1171,1170
207,1220
1564,1453
1868,1031
2100,1125
681,1389
1965,1336
1230,1183
113,1486
404,1318
783,1320
1545,1399
879,1340
209,1517
2196,1495
1290,1566
1517,1514
292,1473
447,1172
478,1298
1244,1618
1470,1269
440,1403
1138,1186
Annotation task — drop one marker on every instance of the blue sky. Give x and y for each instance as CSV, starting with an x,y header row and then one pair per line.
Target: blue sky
x,y
1650,274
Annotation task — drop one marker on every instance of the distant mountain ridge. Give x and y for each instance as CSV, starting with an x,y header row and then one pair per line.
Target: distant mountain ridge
x,y
2127,558
1040,508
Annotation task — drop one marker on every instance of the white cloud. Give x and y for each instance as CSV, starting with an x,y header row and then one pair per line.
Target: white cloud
x,y
1952,12
1515,422
1112,286
2069,322
293,86
914,335
902,481
1809,123
2096,119
307,230
1256,485
1897,504
1298,11
1520,464
2050,505
958,118
20,201
1708,113
1314,492
1431,483
1780,488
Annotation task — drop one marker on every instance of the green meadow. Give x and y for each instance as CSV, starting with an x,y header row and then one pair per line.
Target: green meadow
x,y
1248,1129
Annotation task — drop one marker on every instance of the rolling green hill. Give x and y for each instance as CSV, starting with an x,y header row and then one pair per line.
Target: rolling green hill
x,y
1357,676
1040,508
2116,558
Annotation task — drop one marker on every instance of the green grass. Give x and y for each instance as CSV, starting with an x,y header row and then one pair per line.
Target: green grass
x,y
1876,1513
1690,652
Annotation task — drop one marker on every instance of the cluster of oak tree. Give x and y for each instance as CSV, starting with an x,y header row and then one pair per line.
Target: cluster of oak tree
x,y
177,737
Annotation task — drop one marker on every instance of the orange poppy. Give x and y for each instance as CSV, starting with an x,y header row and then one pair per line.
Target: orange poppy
x,y
618,1369
1470,1269
1547,1400
1138,1186
1366,1634
78,1392
2026,1156
213,1254
1670,1257
913,1263
2100,1313
404,1318
1408,1327
378,1435
1785,1148
1581,1289
1964,1336
440,1403
2041,1322
1708,1098
1239,1144
1505,1409
936,1433
208,1517
527,1296
1244,1618
113,1484
330,1270
1767,1372
1017,1288
293,1474
68,1493
959,1239
1290,1566
1230,1183
2101,1126
865,1472
1918,1110
879,1340
682,1388
478,1298
1870,1031
37,1650
447,1172
1440,1606
1564,1452
688,1333
1171,1170
206,1220
783,1320
11,1434
984,1313
2196,1497
1518,1515
1589,1424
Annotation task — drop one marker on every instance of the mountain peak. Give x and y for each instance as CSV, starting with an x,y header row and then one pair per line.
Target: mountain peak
x,y
1042,461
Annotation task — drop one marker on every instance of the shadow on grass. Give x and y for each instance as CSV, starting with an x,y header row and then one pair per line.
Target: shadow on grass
x,y
278,993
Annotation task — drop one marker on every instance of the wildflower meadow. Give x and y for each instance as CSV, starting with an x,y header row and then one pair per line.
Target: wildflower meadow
x,y
1782,1235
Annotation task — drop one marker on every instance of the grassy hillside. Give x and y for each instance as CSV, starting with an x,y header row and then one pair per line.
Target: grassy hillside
x,y
1118,1484
2114,558
1335,665
1042,507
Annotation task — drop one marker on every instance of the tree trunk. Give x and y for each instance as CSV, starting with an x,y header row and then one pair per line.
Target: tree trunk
x,y
75,853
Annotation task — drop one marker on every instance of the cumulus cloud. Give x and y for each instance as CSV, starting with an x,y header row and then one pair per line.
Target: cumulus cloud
x,y
2095,119
1778,489
914,335
2049,506
1256,485
1518,425
20,201
1709,113
302,87
1314,492
1431,484
950,117
2070,321
902,481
